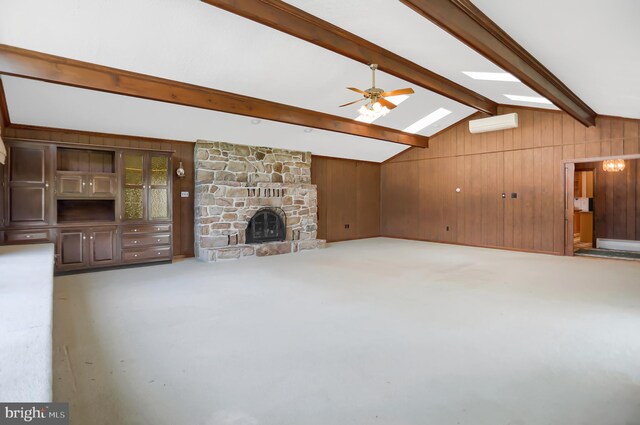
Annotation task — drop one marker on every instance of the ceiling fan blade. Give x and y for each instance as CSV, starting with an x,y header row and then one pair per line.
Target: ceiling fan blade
x,y
358,91
398,92
351,103
385,102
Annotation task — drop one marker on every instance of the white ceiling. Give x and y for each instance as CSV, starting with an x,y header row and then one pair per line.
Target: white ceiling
x,y
187,40
591,45
394,26
52,105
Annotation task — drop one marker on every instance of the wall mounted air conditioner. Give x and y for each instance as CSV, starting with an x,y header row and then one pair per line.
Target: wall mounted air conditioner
x,y
499,122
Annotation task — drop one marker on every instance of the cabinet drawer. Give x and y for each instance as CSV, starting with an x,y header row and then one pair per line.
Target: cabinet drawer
x,y
149,254
145,228
133,241
23,236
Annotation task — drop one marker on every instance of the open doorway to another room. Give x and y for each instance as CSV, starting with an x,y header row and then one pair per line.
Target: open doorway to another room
x,y
606,209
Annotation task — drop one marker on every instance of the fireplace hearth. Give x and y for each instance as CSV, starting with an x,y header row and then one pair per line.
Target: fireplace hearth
x,y
267,225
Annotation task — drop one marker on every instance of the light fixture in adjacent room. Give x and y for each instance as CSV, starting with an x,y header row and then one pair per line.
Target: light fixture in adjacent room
x,y
492,76
613,165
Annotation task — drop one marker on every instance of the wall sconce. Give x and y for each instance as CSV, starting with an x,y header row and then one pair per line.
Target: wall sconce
x,y
180,170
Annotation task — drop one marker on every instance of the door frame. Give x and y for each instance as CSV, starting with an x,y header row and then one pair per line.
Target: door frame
x,y
568,167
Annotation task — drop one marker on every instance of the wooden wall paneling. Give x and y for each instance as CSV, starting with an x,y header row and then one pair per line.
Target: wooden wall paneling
x,y
620,204
448,205
518,229
631,141
530,164
476,199
500,202
546,200
507,188
425,199
367,200
319,178
569,169
632,196
528,201
558,201
349,192
460,198
537,199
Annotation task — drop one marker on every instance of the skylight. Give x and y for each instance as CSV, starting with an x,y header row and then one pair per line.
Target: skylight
x,y
492,76
532,99
425,122
396,100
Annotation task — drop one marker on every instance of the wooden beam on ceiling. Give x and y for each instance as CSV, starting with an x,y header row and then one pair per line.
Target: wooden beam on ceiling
x,y
5,120
55,69
298,23
467,23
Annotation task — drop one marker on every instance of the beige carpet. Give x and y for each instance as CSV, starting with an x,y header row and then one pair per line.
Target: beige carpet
x,y
376,331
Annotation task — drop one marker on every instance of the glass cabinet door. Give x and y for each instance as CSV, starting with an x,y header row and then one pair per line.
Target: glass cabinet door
x,y
159,188
134,186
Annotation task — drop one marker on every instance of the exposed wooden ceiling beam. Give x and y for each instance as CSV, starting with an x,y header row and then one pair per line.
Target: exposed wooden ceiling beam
x,y
54,69
5,120
298,23
466,22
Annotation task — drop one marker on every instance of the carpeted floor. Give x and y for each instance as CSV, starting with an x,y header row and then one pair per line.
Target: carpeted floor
x,y
377,331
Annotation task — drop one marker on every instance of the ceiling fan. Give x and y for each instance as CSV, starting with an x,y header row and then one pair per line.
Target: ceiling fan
x,y
377,104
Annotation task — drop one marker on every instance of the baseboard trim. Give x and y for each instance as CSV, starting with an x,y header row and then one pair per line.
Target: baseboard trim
x,y
503,248
354,239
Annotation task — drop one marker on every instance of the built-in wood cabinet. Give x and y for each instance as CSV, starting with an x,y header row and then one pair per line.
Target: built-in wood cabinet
x,y
85,247
146,186
101,206
74,185
28,180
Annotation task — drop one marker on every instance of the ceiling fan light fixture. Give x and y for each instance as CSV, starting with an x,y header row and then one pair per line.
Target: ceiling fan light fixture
x,y
373,110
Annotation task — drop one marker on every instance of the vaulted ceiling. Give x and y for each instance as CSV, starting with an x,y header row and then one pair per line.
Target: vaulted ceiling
x,y
193,42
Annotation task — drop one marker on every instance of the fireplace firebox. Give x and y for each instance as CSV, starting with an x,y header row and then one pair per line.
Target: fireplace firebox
x,y
267,225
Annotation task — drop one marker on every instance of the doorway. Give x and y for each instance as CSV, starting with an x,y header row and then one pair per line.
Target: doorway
x,y
602,207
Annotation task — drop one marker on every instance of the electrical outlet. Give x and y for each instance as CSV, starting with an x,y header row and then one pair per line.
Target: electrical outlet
x,y
514,195
184,194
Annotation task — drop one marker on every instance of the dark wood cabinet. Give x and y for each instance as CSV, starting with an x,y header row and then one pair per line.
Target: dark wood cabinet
x,y
79,248
29,173
103,245
105,206
146,186
71,249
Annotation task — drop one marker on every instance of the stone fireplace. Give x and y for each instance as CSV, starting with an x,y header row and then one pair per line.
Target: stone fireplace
x,y
253,200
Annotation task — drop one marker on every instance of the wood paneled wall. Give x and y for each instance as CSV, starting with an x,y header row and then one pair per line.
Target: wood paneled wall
x,y
348,195
182,207
616,201
418,187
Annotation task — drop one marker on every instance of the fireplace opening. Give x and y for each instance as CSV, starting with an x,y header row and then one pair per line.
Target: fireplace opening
x,y
267,225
